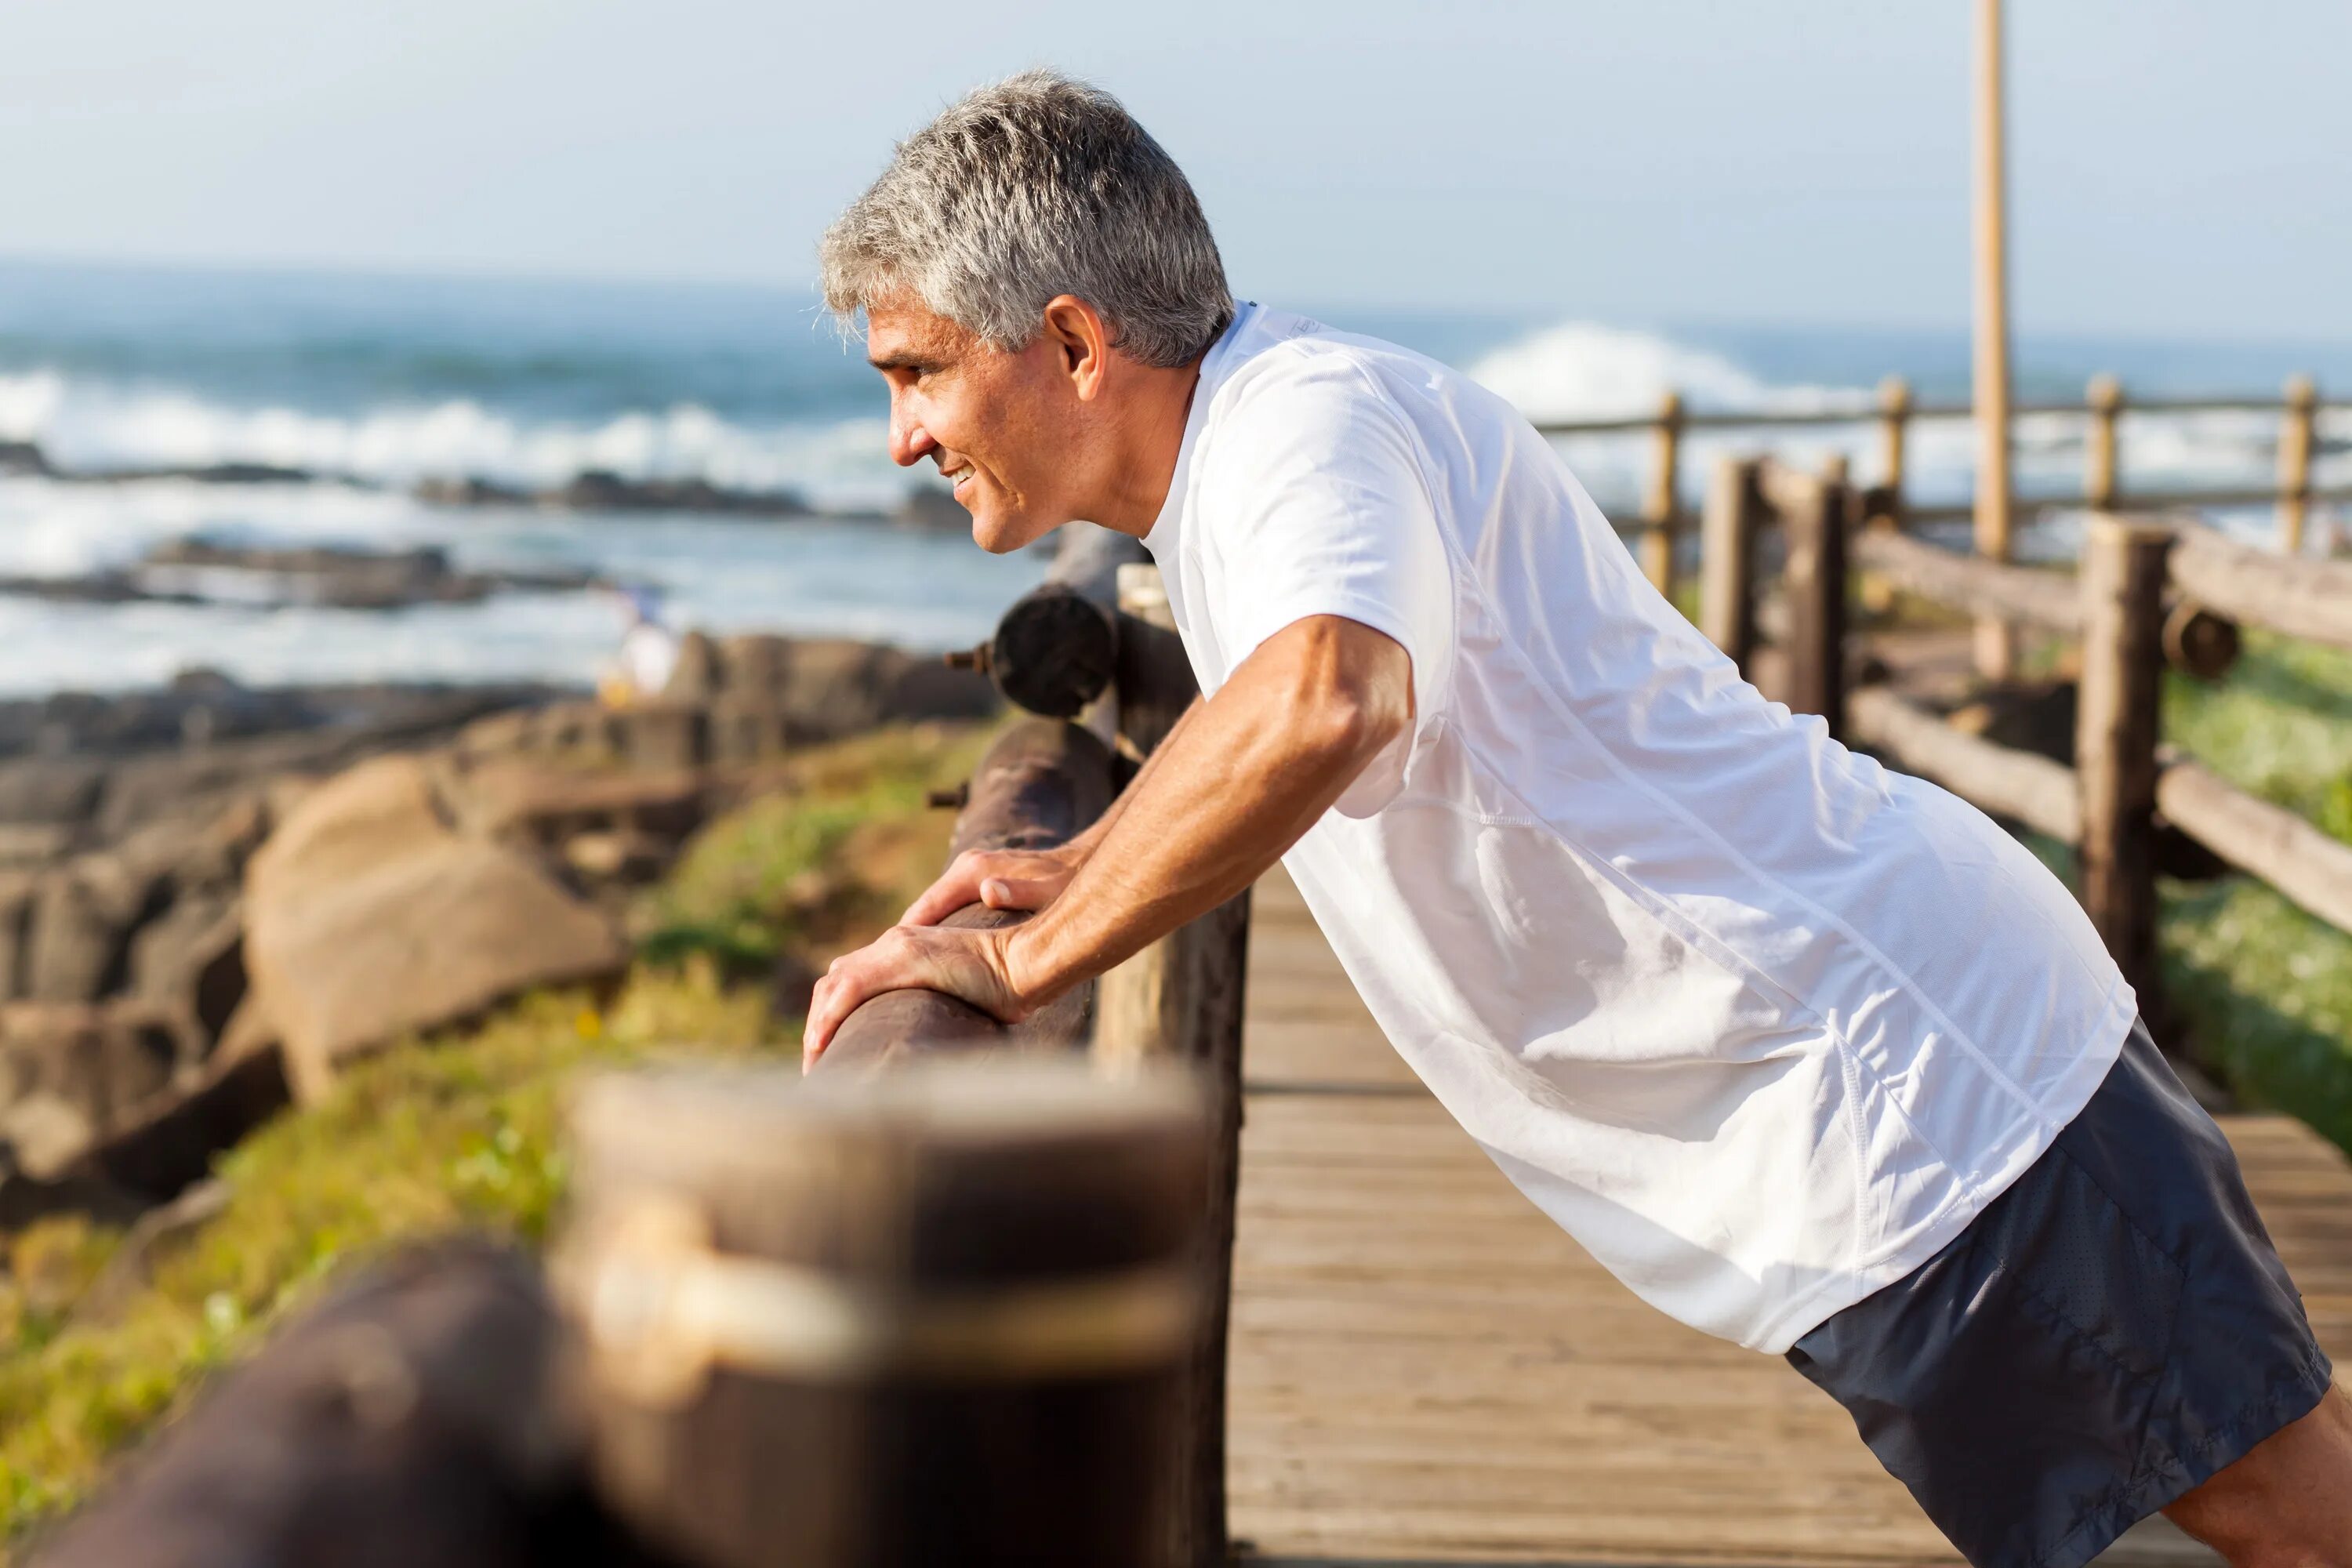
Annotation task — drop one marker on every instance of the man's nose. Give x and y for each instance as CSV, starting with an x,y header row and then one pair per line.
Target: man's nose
x,y
910,442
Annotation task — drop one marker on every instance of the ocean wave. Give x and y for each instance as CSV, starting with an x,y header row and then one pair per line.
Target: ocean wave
x,y
1585,369
85,425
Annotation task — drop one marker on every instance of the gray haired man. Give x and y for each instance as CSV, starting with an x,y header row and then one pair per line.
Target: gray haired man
x,y
1808,1053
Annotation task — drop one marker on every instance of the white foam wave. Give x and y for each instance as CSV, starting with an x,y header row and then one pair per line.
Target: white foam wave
x,y
85,425
1583,369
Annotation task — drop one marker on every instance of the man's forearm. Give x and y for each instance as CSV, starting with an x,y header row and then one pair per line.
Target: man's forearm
x,y
1085,844
1239,780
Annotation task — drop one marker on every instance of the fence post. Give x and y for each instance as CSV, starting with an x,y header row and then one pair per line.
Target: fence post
x,y
885,1320
1658,503
1181,999
1814,519
1735,506
1894,430
2295,461
2105,398
2123,579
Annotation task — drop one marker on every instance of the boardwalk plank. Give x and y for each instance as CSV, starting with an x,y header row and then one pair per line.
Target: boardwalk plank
x,y
1426,1371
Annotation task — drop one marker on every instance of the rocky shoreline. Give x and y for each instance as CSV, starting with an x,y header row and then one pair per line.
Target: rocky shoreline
x,y
592,491
210,894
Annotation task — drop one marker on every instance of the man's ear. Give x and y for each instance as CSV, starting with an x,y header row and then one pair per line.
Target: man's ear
x,y
1080,339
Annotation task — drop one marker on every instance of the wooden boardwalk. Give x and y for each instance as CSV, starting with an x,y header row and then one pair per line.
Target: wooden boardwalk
x,y
1425,1370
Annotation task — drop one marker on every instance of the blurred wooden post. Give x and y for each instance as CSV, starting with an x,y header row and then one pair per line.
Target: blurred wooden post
x,y
1181,999
1893,431
1996,644
1886,509
886,1320
2295,461
1728,529
2105,396
2123,581
1658,503
1814,519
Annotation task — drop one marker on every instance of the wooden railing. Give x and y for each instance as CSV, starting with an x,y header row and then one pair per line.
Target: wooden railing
x,y
1662,517
1120,1461
2150,592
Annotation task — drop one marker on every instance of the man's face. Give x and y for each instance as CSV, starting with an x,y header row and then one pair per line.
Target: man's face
x,y
997,424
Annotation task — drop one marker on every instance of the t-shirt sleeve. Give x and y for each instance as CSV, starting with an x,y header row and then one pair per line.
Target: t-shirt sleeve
x,y
1317,504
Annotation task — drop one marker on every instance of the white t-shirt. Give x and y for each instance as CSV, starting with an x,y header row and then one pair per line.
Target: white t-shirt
x,y
1760,1022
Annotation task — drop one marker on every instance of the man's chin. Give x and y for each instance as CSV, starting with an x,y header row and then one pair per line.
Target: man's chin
x,y
1001,535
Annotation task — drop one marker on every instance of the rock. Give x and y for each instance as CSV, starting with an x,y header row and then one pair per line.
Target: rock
x,y
933,507
194,954
50,789
24,458
753,665
84,915
539,805
73,1076
664,734
694,677
368,917
19,890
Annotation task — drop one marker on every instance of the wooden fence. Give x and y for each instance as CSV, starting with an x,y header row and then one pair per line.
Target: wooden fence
x,y
954,1427
2150,592
2104,412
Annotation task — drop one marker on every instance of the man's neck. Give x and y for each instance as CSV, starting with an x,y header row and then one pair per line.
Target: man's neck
x,y
1159,403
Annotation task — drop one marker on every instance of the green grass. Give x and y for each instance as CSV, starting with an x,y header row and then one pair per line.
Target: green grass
x,y
2265,990
460,1131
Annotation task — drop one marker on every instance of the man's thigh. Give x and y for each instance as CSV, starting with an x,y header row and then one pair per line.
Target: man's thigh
x,y
2288,1500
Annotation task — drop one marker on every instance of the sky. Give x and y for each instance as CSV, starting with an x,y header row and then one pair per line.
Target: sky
x,y
2177,165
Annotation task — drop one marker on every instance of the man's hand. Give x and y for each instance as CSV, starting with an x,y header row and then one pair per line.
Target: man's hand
x,y
1001,878
969,964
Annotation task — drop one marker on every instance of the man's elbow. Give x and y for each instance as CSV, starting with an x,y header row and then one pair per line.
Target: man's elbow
x,y
1355,723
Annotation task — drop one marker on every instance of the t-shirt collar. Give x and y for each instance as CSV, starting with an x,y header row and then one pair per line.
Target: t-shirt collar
x,y
1215,366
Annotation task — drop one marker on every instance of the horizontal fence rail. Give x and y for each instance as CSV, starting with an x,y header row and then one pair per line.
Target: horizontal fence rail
x,y
2150,592
1662,516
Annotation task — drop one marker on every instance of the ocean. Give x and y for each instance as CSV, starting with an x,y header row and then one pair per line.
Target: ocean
x,y
372,385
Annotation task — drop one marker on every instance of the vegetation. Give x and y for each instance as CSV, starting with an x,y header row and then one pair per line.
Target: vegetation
x,y
459,1131
2264,989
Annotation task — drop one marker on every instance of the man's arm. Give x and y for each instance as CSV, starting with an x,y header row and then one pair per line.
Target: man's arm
x,y
1029,878
1239,780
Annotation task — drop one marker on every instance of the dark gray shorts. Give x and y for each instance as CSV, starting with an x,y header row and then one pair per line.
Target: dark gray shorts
x,y
2109,1332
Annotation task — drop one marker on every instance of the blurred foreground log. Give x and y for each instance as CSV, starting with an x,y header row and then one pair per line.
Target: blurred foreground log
x,y
412,1420
1042,784
925,1317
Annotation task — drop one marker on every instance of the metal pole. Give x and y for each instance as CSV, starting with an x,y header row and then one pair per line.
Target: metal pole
x,y
1995,644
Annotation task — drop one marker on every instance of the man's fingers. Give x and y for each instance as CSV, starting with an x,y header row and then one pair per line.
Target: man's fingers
x,y
1016,892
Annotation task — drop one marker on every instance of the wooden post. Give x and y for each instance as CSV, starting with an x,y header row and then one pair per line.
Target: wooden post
x,y
2104,397
1181,999
896,1320
1996,647
2123,579
2295,461
1893,431
1728,529
1659,503
1885,503
1814,519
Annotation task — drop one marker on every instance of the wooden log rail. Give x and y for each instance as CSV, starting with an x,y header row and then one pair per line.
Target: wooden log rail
x,y
1179,1001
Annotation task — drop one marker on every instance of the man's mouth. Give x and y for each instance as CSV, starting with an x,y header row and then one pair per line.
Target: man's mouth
x,y
958,476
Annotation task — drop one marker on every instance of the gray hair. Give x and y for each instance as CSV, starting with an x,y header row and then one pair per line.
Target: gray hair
x,y
1034,187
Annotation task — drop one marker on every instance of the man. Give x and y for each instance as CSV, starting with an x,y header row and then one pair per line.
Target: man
x,y
1809,1053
